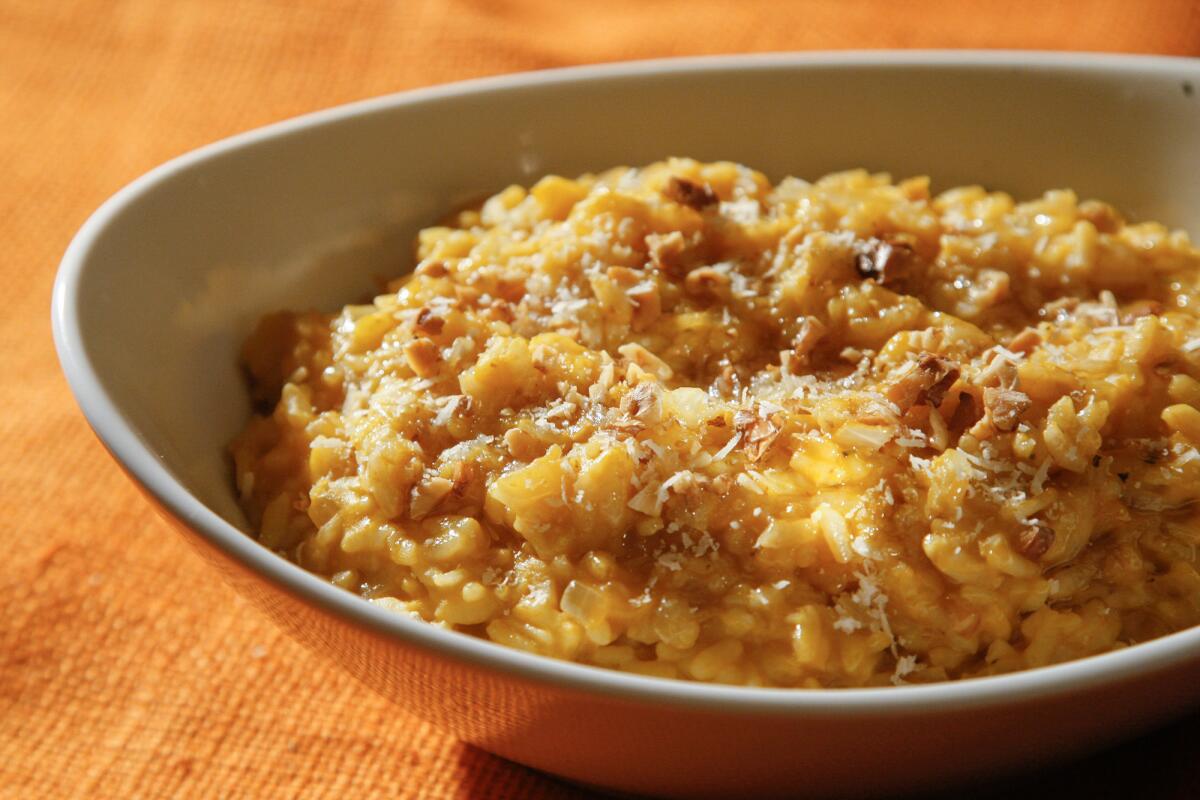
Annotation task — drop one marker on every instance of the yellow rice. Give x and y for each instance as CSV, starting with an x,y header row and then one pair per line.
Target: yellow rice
x,y
680,421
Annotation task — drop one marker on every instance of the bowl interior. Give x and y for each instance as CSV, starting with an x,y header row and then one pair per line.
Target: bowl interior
x,y
172,274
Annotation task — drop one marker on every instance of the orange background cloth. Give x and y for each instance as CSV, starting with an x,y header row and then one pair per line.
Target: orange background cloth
x,y
127,668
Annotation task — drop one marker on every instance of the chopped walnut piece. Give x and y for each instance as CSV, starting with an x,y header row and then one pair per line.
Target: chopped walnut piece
x,y
887,261
646,360
429,322
647,305
759,439
427,494
1025,341
1139,309
1000,371
941,374
644,402
923,382
625,427
706,282
1005,407
1103,217
422,356
689,193
666,252
431,269
758,432
1034,542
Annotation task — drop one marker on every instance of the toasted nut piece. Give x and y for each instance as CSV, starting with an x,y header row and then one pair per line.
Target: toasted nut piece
x,y
422,356
1104,217
1034,542
666,252
429,322
644,402
688,193
758,433
1000,371
646,360
647,305
626,427
1005,407
1025,341
942,374
706,281
924,382
431,269
884,260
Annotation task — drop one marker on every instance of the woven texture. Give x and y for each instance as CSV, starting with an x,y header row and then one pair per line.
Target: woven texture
x,y
127,668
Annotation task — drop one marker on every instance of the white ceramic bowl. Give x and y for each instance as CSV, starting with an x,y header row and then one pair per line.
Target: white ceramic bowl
x,y
160,286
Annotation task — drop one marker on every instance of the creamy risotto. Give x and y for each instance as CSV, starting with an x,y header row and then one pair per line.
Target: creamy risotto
x,y
684,422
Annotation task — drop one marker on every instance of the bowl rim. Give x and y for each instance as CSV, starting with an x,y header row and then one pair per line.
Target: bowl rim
x,y
118,436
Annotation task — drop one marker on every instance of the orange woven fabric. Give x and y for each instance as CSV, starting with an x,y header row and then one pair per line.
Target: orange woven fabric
x,y
127,668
